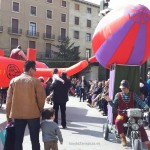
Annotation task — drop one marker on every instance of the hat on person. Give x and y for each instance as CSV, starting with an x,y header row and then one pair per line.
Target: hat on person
x,y
124,84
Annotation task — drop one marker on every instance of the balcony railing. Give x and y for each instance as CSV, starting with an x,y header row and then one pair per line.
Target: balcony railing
x,y
14,31
48,36
1,28
32,34
62,38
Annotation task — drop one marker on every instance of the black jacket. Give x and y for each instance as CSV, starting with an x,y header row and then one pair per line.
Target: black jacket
x,y
60,91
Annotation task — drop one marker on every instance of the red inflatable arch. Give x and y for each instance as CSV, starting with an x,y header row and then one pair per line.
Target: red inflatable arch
x,y
92,59
77,67
10,68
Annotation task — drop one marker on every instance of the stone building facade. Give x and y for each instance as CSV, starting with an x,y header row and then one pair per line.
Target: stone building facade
x,y
40,24
36,24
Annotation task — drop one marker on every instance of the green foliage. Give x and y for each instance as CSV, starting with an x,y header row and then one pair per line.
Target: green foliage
x,y
67,51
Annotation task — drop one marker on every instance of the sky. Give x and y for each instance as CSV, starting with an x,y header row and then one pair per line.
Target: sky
x,y
117,3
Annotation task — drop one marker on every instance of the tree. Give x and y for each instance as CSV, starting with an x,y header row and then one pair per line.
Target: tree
x,y
66,56
67,51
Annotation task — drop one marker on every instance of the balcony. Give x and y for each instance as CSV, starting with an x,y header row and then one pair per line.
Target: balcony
x,y
48,36
62,38
1,29
32,34
15,31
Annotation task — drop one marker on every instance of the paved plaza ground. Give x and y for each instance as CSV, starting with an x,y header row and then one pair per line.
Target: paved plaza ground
x,y
84,129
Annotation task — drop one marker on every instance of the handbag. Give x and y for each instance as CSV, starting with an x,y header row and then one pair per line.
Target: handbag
x,y
2,138
10,137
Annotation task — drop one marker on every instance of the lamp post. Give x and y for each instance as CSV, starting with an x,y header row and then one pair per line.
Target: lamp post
x,y
103,11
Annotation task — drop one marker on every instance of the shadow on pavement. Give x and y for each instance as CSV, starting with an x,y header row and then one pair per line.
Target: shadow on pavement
x,y
86,132
79,115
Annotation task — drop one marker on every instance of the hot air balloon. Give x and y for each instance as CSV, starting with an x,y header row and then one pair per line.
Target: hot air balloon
x,y
122,36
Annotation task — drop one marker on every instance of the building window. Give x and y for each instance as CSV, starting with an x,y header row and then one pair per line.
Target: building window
x,y
49,1
32,29
63,33
15,6
49,14
14,43
89,23
88,53
89,11
64,4
15,24
33,11
76,21
48,31
77,7
76,48
48,53
88,37
63,17
76,34
32,44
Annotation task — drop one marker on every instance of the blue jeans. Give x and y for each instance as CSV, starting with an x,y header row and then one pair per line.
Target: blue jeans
x,y
34,129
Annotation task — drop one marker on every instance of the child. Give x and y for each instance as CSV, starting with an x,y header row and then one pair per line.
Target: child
x,y
56,77
50,130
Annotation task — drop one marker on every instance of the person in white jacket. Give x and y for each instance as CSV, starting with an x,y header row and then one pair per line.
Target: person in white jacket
x,y
56,77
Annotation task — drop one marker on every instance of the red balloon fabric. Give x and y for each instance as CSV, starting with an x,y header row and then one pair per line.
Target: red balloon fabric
x,y
123,36
92,59
76,68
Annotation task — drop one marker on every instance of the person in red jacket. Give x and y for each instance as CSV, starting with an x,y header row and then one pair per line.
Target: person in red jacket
x,y
122,101
17,53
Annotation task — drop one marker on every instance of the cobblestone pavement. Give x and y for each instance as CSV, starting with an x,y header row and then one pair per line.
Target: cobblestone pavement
x,y
84,129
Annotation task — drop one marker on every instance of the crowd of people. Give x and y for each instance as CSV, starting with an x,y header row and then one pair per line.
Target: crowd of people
x,y
91,91
97,95
31,93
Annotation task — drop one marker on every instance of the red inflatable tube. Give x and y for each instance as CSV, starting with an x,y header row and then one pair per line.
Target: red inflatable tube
x,y
77,67
92,59
10,68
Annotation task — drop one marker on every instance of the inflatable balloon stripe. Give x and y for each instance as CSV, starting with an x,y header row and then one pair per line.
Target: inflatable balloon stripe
x,y
123,36
92,59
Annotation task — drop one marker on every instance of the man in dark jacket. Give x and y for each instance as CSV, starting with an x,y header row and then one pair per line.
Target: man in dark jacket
x,y
60,97
83,86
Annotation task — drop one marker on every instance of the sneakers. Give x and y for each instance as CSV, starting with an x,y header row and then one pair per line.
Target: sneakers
x,y
123,141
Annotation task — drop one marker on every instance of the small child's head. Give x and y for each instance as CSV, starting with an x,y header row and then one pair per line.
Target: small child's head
x,y
48,113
